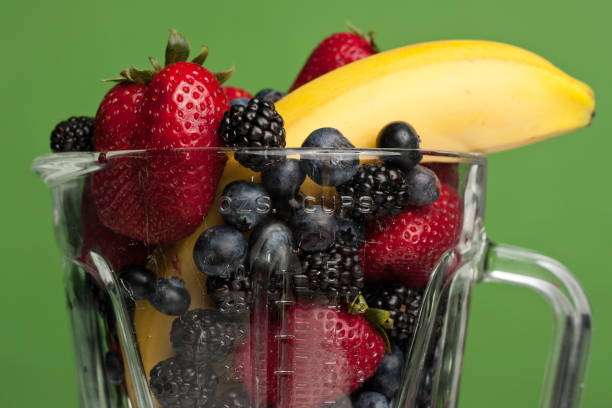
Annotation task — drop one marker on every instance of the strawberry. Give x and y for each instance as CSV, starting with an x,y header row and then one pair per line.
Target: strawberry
x,y
163,196
233,92
117,249
408,246
318,356
117,117
335,51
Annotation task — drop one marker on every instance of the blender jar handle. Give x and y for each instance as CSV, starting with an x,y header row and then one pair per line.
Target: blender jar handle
x,y
572,317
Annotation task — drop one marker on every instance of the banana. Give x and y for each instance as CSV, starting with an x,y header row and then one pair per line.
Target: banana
x,y
474,96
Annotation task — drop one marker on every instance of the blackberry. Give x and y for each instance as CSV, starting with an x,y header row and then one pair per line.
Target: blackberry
x,y
206,335
256,125
178,384
73,135
334,274
403,305
232,295
235,397
376,190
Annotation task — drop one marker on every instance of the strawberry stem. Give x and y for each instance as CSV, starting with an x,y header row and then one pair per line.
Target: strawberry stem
x,y
368,37
379,319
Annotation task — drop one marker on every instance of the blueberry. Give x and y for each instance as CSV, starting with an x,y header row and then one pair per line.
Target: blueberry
x,y
350,232
370,399
283,179
423,186
113,367
271,243
220,250
286,207
329,169
388,376
244,204
138,281
400,135
314,228
170,296
239,101
269,94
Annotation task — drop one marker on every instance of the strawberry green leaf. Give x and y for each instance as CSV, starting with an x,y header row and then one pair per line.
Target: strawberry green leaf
x,y
177,49
368,37
155,63
223,76
201,56
371,36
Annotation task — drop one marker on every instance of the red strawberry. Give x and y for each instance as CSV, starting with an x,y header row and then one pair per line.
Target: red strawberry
x,y
318,356
333,52
407,247
117,249
233,92
117,117
163,196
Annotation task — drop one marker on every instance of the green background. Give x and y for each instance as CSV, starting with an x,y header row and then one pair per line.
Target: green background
x,y
554,196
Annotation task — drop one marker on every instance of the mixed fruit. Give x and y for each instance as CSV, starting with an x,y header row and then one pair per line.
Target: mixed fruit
x,y
247,288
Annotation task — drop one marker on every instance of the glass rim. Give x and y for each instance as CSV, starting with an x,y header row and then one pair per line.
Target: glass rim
x,y
56,168
277,151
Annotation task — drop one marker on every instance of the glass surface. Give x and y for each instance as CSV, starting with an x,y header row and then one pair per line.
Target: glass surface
x,y
111,329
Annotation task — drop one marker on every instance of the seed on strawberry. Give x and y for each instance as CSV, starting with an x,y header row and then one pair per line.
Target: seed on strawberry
x,y
407,247
333,52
